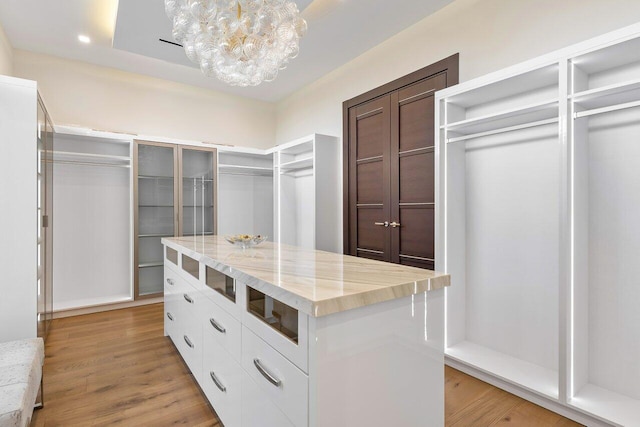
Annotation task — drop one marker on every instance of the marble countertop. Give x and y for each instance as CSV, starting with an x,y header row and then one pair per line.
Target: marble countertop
x,y
315,282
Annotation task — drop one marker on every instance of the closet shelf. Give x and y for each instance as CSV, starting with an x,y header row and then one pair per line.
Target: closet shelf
x,y
504,130
299,164
506,118
70,157
534,377
186,178
156,235
205,233
607,404
154,177
248,170
608,96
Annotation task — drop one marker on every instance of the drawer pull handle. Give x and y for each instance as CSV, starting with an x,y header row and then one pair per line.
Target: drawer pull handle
x,y
170,281
217,325
273,380
169,316
217,382
188,341
188,298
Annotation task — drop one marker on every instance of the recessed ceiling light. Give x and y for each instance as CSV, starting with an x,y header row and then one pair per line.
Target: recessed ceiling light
x,y
84,39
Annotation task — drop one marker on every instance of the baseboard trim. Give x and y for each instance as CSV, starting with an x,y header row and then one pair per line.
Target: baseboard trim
x,y
552,405
79,311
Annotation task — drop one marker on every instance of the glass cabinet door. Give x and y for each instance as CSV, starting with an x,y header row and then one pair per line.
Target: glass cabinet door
x,y
155,215
48,230
44,280
42,176
198,191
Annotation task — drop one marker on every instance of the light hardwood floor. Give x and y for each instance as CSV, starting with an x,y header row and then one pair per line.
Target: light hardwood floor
x,y
117,368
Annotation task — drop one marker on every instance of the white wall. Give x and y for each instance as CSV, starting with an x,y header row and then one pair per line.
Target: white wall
x,y
6,54
96,97
488,34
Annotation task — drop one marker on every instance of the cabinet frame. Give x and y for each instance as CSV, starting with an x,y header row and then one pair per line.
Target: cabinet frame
x,y
180,205
136,227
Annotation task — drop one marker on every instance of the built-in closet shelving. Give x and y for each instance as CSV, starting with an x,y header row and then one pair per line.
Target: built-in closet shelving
x,y
308,193
92,172
537,224
245,192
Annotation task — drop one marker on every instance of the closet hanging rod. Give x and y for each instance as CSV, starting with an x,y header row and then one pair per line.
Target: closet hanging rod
x,y
68,162
609,109
503,130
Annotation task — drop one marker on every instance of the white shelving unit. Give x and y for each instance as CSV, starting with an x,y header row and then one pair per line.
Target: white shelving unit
x,y
245,192
539,193
93,233
309,193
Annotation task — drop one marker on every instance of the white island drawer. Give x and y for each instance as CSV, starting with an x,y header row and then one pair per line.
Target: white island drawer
x,y
282,326
257,408
222,382
278,379
220,326
189,343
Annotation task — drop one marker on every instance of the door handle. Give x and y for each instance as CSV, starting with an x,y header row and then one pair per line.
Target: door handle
x,y
395,224
382,224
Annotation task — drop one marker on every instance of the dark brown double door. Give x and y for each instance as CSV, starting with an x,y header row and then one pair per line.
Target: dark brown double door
x,y
391,189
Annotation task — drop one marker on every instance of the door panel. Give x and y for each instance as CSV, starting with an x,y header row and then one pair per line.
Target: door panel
x,y
155,212
197,205
371,127
416,231
370,236
412,172
414,132
369,177
417,180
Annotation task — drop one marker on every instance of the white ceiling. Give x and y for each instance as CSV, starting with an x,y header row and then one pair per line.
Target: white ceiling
x,y
339,31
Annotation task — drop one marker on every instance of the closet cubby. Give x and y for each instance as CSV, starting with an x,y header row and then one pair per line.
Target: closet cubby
x,y
308,188
502,186
245,193
605,112
93,218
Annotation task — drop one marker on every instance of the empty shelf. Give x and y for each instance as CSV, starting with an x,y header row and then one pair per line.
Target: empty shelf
x,y
246,170
304,163
529,375
507,118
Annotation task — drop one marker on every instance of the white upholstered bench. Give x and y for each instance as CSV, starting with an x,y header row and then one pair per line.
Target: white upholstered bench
x,y
20,380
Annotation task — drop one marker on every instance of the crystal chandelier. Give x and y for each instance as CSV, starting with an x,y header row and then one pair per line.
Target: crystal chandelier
x,y
241,42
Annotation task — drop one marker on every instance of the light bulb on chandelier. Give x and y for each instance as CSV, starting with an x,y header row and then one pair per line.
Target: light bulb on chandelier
x,y
241,42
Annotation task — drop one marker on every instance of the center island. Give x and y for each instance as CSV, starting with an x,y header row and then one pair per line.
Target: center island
x,y
277,335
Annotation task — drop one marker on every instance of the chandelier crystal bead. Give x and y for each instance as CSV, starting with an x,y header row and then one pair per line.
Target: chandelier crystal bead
x,y
241,42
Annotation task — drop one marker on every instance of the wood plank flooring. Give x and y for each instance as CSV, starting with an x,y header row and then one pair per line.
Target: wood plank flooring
x,y
117,369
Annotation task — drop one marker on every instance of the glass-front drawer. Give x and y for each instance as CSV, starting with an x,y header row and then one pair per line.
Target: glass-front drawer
x,y
191,266
274,313
221,283
172,255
